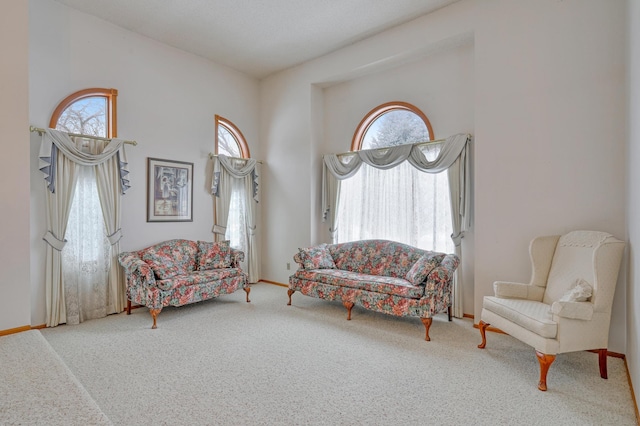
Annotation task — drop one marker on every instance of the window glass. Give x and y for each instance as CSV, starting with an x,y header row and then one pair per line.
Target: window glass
x,y
87,116
227,144
396,127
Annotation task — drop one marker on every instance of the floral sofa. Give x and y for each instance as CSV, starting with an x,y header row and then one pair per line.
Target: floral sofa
x,y
178,272
380,275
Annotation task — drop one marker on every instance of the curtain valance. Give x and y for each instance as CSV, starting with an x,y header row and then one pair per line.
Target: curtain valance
x,y
238,169
385,158
55,140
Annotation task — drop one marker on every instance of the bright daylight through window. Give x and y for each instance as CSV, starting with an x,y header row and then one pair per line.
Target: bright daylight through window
x,y
400,204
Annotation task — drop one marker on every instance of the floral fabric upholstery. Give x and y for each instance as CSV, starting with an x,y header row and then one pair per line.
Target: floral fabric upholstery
x,y
170,258
213,255
373,274
316,257
187,286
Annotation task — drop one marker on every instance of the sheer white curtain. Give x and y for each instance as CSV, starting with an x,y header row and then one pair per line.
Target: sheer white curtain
x,y
85,258
235,189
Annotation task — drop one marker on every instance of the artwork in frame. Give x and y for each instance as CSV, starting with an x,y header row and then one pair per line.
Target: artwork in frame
x,y
169,191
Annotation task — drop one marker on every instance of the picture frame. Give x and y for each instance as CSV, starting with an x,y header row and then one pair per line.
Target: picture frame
x,y
169,190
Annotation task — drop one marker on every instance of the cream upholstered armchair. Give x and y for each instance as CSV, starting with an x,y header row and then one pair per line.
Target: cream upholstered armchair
x,y
567,305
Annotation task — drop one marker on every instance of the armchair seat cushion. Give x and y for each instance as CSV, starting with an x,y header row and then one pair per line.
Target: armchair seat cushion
x,y
533,316
373,283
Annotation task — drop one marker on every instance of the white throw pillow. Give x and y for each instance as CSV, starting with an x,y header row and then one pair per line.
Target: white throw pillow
x,y
581,292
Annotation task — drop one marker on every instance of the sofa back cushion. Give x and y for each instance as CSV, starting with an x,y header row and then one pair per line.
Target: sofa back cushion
x,y
170,258
214,255
317,257
376,257
421,268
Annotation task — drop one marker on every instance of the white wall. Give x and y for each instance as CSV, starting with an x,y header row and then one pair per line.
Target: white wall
x,y
167,100
441,85
633,194
14,173
548,111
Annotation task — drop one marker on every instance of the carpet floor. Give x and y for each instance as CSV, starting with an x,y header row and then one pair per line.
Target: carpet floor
x,y
227,362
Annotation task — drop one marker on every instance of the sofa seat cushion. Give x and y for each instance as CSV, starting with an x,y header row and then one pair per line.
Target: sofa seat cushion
x,y
373,283
198,277
531,315
171,258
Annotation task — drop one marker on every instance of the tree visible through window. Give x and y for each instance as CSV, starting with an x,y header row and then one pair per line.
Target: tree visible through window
x,y
400,204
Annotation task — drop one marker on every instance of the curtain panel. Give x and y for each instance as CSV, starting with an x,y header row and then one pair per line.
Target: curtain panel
x,y
453,157
59,159
225,171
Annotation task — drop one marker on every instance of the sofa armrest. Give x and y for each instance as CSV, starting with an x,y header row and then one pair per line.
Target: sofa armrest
x,y
237,256
136,270
573,310
511,290
298,260
441,276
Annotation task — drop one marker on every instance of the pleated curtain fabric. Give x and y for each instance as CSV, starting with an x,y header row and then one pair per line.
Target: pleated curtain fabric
x,y
60,159
453,157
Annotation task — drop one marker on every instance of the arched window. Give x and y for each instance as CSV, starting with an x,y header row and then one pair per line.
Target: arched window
x,y
86,256
230,140
402,203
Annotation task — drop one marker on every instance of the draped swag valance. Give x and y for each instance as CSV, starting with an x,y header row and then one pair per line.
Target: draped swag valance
x,y
238,169
54,140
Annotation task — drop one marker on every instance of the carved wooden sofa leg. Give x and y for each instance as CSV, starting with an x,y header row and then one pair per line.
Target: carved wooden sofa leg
x,y
290,292
154,314
483,332
128,307
449,313
427,324
247,290
349,306
545,361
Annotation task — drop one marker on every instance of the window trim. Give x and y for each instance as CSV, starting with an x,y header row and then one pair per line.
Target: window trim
x,y
235,132
111,114
377,112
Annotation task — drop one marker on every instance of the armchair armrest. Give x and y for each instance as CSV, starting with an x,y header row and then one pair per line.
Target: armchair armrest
x,y
237,256
136,271
573,310
298,260
511,290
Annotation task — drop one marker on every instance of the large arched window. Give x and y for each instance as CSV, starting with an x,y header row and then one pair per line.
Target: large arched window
x,y
231,142
86,256
401,204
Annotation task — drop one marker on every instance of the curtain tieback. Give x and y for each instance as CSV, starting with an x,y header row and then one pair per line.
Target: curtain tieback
x,y
217,229
53,241
115,237
457,238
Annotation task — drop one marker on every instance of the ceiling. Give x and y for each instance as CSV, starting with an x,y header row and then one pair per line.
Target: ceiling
x,y
257,37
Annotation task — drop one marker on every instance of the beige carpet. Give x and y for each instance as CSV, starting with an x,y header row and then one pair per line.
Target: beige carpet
x,y
37,388
228,362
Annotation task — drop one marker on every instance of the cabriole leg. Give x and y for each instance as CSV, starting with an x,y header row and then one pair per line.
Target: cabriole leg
x,y
154,314
247,290
290,292
602,356
427,324
349,306
545,362
483,327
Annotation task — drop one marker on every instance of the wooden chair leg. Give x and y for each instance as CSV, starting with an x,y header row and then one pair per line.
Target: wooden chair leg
x,y
602,356
154,314
349,306
545,361
290,292
128,307
449,312
427,324
483,333
247,290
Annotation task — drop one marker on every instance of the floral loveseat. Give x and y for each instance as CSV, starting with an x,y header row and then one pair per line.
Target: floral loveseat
x,y
178,272
379,275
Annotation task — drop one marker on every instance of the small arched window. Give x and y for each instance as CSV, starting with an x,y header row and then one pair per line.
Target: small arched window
x,y
230,140
391,124
87,112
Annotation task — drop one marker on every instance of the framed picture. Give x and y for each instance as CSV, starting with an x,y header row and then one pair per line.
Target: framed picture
x,y
169,191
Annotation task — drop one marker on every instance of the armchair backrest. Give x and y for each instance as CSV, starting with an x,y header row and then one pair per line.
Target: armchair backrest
x,y
589,255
